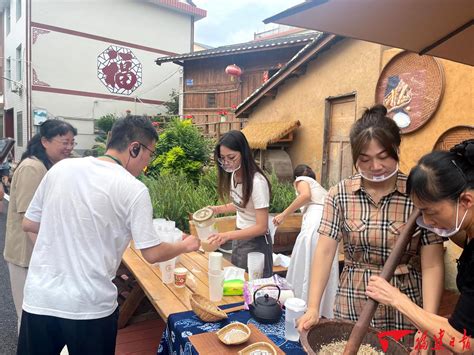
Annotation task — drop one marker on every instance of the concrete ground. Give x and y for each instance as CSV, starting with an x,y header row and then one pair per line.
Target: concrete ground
x,y
8,320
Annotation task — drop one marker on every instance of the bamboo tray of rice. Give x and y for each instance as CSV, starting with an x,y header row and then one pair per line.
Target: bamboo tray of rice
x,y
234,334
329,337
205,309
260,348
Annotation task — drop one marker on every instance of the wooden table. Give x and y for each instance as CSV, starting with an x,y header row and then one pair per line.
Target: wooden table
x,y
166,298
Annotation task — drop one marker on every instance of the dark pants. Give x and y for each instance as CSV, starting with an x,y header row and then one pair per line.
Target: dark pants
x,y
262,244
46,335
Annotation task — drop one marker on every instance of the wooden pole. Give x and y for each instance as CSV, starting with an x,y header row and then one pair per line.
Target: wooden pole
x,y
360,328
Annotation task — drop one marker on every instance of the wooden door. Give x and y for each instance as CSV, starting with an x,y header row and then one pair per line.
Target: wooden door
x,y
337,158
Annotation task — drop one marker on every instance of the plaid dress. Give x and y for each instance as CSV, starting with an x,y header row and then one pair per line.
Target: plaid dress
x,y
369,232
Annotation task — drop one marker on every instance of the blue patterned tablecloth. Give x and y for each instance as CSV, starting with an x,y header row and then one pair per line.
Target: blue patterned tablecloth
x,y
182,325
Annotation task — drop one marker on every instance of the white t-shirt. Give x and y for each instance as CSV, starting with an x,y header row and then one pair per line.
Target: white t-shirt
x,y
318,193
260,198
88,210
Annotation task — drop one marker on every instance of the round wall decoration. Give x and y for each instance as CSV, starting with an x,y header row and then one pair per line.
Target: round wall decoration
x,y
119,70
453,136
410,87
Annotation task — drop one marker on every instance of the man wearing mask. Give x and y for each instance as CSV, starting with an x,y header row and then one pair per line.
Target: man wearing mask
x,y
85,213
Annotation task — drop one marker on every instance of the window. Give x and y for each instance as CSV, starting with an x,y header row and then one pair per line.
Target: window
x,y
211,100
18,9
19,128
19,72
8,72
7,20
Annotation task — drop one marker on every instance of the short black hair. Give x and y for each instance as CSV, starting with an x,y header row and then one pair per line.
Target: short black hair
x,y
304,170
131,129
442,175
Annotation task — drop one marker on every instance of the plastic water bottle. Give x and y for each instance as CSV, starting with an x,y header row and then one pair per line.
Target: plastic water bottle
x,y
295,308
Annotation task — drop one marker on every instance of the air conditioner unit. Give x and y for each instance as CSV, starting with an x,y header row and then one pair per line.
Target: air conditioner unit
x,y
17,87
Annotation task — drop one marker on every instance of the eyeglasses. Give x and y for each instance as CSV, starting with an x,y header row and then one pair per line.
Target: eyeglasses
x,y
224,160
152,153
66,144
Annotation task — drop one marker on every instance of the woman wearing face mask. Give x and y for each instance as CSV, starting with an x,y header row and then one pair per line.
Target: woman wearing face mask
x,y
310,199
442,187
368,211
245,186
53,143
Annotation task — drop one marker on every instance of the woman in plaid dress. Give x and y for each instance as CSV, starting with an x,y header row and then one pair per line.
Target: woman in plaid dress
x,y
368,211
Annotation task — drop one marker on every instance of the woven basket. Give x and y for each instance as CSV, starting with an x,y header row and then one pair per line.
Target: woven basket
x,y
205,309
245,335
260,346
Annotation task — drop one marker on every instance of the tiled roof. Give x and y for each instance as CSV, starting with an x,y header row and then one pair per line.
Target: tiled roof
x,y
277,78
286,41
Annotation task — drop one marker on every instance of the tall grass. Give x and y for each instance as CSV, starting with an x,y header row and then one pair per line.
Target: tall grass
x,y
174,197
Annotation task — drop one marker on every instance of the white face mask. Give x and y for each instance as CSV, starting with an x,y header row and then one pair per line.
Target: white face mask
x,y
229,168
441,231
378,178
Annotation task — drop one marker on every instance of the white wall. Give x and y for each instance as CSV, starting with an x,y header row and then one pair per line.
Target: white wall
x,y
13,39
69,62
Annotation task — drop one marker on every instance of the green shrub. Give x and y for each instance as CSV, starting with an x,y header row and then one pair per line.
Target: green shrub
x,y
106,122
283,193
181,149
175,196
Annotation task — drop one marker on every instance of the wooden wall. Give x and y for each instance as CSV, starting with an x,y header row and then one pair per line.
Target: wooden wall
x,y
209,77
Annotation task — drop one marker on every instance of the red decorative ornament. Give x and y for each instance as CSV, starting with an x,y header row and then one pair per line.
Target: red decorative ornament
x,y
233,70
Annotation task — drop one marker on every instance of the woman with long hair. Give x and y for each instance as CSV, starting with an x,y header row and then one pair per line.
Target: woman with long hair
x,y
54,142
368,211
441,185
246,189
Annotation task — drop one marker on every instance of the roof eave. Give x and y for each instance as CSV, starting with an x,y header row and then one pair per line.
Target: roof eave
x,y
229,52
278,78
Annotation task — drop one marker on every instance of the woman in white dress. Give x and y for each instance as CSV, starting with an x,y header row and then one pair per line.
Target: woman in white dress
x,y
310,199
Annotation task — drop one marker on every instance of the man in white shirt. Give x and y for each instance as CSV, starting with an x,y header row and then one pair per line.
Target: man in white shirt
x,y
85,213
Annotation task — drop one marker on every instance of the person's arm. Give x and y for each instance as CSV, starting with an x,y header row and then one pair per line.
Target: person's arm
x,y
320,271
223,209
432,271
31,228
2,195
304,196
165,251
432,268
381,291
259,228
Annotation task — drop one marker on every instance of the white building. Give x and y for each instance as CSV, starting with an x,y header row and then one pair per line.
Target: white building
x,y
82,59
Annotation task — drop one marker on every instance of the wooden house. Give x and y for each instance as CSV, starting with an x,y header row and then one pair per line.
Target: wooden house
x,y
210,95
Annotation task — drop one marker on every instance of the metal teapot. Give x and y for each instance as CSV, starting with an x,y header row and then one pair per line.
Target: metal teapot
x,y
266,309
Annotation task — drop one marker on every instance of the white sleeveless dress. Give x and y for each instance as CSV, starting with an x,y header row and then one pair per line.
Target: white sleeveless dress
x,y
299,270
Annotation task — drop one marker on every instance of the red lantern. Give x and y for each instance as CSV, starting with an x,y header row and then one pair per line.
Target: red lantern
x,y
233,70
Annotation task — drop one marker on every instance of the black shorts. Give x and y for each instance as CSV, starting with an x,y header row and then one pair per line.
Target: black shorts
x,y
48,335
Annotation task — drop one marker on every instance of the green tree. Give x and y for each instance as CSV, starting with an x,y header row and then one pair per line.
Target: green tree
x,y
181,149
172,105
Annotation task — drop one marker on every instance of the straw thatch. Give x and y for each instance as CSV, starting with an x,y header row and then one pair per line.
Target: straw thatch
x,y
261,134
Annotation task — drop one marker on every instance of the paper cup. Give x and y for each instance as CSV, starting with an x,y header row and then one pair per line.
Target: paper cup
x,y
255,264
216,285
180,274
166,268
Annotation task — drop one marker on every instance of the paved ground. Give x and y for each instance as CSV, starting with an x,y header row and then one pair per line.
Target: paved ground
x,y
8,331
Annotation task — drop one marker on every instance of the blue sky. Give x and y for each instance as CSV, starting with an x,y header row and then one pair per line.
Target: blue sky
x,y
235,21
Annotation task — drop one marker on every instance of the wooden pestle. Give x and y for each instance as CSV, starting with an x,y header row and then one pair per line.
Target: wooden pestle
x,y
360,328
